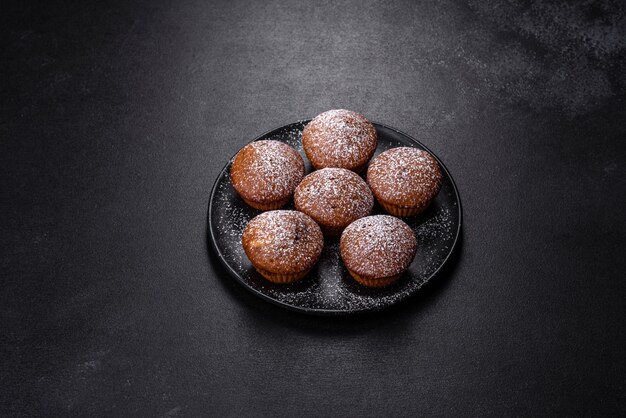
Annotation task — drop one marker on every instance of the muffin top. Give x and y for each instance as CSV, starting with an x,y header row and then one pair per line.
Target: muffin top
x,y
339,138
266,170
283,241
404,176
334,197
378,246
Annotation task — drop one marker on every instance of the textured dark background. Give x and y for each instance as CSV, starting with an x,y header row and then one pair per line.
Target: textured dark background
x,y
116,117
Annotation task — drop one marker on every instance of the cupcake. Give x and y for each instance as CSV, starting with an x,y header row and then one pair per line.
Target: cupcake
x,y
377,249
282,245
265,174
339,138
404,180
334,198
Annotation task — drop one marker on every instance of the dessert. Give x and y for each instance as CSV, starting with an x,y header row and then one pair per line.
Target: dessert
x,y
334,198
376,250
265,174
404,180
339,138
283,245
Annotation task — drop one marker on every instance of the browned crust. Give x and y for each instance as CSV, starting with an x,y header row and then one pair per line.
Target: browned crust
x,y
334,198
282,278
265,173
377,247
382,282
282,242
402,212
339,138
404,180
267,206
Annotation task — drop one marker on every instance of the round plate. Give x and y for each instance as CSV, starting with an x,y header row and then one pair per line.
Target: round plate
x,y
328,288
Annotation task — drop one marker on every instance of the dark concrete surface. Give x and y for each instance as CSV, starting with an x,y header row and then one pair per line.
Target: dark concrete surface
x,y
116,117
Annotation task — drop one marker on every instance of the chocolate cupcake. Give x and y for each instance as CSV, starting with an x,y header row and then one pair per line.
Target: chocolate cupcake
x,y
283,245
265,174
404,180
339,138
334,198
377,249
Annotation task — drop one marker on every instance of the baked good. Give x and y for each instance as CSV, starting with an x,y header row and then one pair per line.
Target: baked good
x,y
377,249
334,198
283,245
265,173
339,138
404,180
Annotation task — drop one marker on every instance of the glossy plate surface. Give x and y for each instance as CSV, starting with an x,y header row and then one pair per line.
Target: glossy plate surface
x,y
328,288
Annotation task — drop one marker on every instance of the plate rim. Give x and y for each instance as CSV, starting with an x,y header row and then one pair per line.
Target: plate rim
x,y
331,312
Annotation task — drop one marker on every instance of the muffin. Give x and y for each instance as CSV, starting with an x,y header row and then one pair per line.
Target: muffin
x,y
282,245
265,174
339,138
404,180
377,249
334,198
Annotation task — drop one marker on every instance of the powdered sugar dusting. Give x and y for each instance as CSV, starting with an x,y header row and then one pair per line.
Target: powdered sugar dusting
x,y
267,171
404,176
334,197
283,241
378,246
329,287
339,138
292,136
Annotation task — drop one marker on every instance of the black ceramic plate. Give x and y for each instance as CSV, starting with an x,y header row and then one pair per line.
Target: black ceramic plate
x,y
328,288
